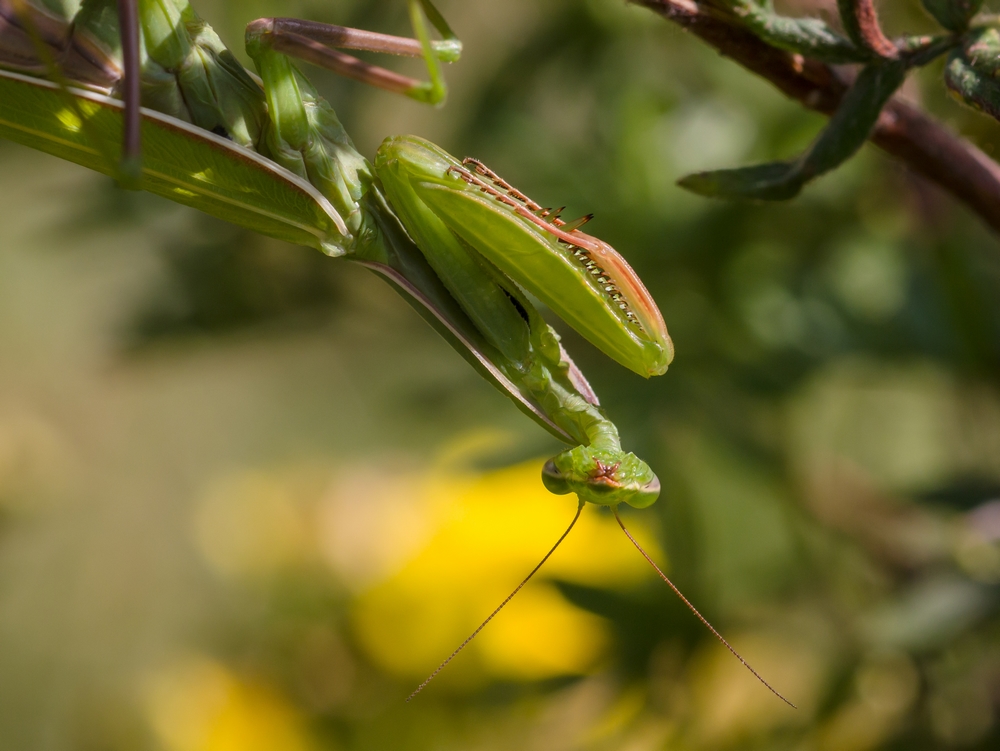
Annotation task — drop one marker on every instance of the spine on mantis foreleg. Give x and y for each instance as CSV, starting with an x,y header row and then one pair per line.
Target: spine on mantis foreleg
x,y
517,339
582,279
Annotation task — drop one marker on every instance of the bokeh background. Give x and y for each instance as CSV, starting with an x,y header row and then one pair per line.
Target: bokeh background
x,y
248,499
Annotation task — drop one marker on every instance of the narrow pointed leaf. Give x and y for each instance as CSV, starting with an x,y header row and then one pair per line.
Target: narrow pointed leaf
x,y
854,119
774,181
809,37
847,130
954,15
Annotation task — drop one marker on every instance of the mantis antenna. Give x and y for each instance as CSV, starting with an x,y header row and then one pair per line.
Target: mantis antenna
x,y
694,610
656,568
482,625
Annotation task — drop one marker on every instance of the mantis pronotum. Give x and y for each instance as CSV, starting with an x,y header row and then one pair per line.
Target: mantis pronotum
x,y
269,153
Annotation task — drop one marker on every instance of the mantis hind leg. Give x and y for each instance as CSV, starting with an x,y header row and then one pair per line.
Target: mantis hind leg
x,y
131,161
318,44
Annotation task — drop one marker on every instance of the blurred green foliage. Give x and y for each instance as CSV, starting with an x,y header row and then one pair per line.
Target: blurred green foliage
x,y
248,500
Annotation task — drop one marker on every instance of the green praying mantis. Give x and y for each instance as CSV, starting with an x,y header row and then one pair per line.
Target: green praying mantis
x,y
145,91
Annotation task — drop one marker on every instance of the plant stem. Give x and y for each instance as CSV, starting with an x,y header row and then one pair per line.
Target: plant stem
x,y
903,130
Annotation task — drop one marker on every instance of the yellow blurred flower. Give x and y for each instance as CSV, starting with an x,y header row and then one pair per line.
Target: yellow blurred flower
x,y
489,531
429,553
253,522
198,705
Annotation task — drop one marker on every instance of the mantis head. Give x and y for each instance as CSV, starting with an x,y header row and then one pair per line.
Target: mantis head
x,y
602,476
606,477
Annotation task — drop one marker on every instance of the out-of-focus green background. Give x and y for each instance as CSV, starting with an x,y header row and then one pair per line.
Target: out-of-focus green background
x,y
248,500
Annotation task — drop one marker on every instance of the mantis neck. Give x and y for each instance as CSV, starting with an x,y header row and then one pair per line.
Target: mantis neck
x,y
585,422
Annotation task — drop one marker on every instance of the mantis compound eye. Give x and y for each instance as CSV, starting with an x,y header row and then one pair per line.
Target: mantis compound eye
x,y
553,480
647,494
640,493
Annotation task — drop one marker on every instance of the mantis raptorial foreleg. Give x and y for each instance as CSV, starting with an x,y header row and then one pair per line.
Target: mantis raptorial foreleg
x,y
458,241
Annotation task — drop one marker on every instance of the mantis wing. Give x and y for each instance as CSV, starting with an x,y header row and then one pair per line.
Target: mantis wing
x,y
200,169
180,161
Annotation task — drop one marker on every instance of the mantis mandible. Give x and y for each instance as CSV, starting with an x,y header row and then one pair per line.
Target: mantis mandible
x,y
267,152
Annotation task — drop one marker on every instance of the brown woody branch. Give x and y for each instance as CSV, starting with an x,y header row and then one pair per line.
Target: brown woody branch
x,y
861,23
904,130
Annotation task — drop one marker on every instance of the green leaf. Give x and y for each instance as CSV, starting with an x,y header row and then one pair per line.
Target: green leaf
x,y
774,181
847,130
954,15
809,37
972,70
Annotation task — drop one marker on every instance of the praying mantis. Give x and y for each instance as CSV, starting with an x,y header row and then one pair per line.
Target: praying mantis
x,y
145,91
